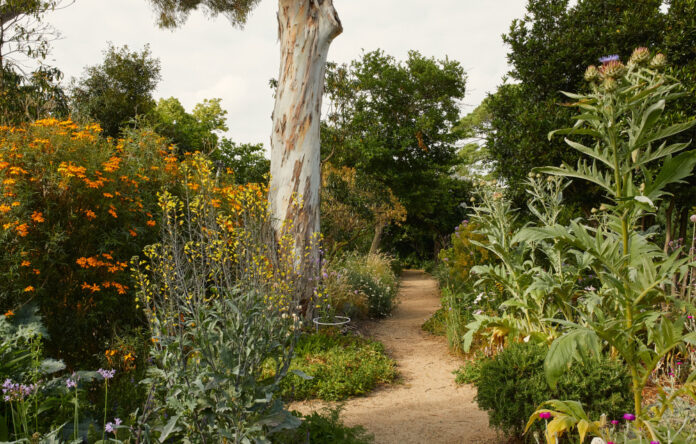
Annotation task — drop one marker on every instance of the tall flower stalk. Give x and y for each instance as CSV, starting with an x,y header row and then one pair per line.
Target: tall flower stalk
x,y
626,153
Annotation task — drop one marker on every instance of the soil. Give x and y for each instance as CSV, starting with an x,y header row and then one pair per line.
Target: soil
x,y
427,406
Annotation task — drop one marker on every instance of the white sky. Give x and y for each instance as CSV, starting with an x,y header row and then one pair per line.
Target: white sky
x,y
209,58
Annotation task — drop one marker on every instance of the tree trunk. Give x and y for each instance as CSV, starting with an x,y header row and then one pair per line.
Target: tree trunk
x,y
377,238
305,30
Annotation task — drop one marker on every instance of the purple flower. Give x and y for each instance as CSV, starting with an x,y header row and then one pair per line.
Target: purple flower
x,y
629,417
654,442
689,317
70,383
106,374
609,58
109,427
679,363
117,421
545,415
615,421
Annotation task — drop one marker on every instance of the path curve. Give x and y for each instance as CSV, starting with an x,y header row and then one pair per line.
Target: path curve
x,y
427,407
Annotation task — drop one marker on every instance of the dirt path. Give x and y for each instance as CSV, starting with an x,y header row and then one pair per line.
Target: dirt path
x,y
428,407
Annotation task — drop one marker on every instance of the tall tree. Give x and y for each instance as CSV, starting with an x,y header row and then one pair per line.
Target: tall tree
x,y
549,48
118,90
191,132
392,121
25,39
306,29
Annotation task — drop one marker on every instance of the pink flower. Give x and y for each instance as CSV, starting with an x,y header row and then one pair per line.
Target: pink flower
x,y
629,417
545,415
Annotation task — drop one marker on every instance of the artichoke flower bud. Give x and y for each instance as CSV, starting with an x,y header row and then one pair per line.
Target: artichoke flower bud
x,y
591,73
613,68
658,61
639,56
609,84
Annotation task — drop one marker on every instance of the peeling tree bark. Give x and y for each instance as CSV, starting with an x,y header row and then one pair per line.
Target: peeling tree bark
x,y
306,29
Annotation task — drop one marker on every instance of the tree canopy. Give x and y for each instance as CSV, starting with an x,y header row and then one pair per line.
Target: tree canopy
x,y
118,90
392,121
173,13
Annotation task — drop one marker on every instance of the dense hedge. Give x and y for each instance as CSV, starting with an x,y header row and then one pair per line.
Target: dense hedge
x,y
512,385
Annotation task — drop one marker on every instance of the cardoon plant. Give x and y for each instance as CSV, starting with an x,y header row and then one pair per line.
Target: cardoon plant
x,y
631,159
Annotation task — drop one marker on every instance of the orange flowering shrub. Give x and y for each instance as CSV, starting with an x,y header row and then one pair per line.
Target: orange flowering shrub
x,y
74,208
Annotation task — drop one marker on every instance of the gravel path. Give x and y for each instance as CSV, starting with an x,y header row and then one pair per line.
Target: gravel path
x,y
427,407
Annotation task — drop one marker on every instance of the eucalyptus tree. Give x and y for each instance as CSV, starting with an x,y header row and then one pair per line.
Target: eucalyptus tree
x,y
306,29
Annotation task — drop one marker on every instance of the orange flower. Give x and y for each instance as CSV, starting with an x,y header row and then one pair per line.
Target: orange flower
x,y
151,223
25,263
29,289
9,313
36,271
4,208
109,195
93,288
37,217
22,230
15,204
113,213
132,232
90,214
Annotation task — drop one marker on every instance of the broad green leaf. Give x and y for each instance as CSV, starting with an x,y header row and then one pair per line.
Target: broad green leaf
x,y
574,345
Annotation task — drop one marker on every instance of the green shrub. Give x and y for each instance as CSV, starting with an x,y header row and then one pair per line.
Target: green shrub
x,y
512,384
372,275
325,427
340,366
470,372
436,324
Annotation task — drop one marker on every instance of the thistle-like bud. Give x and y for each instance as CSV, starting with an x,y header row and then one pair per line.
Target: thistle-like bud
x,y
639,56
613,68
609,84
591,73
658,61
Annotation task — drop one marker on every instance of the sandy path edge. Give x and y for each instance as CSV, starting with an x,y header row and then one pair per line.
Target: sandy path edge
x,y
428,407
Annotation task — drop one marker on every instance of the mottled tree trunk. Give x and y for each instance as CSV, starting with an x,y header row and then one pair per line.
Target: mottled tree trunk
x,y
377,238
306,29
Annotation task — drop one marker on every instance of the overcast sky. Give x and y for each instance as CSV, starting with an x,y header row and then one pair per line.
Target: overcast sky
x,y
209,58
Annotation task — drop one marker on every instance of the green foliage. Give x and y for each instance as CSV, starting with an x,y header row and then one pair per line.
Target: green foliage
x,y
190,132
35,401
372,276
118,90
623,115
23,30
392,121
340,366
31,97
470,372
355,209
173,13
547,46
512,384
247,161
436,324
325,426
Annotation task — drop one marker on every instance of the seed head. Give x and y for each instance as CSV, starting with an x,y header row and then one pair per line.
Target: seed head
x,y
658,61
639,56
